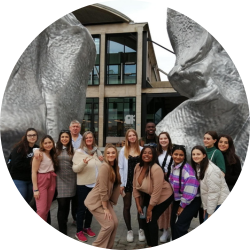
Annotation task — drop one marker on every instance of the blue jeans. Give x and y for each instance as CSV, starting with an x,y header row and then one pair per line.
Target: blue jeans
x,y
83,212
25,189
206,214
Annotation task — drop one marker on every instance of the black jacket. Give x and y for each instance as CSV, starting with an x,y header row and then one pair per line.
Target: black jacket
x,y
232,173
20,168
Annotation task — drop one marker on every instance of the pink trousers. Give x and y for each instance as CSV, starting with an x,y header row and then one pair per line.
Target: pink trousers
x,y
46,184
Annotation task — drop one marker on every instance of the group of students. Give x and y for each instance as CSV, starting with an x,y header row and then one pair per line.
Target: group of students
x,y
47,176
168,191
186,190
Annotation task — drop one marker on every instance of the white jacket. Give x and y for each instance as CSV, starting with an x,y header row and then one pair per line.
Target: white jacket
x,y
123,167
213,188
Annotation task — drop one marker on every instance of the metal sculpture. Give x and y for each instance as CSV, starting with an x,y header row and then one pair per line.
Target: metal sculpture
x,y
47,87
204,73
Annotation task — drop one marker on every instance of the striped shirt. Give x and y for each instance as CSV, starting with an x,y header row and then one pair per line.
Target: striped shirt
x,y
189,184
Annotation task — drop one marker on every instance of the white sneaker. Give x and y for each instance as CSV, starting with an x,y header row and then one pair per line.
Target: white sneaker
x,y
130,236
164,237
141,235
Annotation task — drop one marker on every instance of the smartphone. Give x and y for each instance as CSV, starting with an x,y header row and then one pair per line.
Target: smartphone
x,y
144,210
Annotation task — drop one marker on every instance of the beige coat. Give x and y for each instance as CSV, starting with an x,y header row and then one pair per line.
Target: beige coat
x,y
154,185
103,190
86,173
213,187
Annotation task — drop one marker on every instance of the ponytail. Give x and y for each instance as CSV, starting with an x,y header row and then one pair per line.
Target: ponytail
x,y
169,170
180,175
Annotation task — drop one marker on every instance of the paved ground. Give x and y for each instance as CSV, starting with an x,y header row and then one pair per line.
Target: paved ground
x,y
120,239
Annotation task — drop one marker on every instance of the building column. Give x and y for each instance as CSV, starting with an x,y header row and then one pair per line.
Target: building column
x,y
139,80
101,90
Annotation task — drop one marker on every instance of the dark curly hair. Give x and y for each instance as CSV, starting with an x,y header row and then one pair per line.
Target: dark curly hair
x,y
154,159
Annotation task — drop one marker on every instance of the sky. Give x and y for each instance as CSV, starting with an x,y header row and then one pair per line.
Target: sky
x,y
228,21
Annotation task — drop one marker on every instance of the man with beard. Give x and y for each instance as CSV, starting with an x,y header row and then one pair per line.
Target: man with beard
x,y
150,137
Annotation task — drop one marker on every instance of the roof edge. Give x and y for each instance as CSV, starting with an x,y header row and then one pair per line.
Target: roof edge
x,y
115,12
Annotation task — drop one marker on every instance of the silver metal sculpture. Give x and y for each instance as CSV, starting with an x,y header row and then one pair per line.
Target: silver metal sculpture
x,y
205,74
47,87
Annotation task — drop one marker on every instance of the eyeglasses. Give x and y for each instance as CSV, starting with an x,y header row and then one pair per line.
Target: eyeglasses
x,y
65,131
34,135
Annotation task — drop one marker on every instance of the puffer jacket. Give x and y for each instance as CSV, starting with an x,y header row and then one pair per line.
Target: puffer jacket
x,y
213,188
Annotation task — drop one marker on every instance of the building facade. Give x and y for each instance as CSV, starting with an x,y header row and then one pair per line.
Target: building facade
x,y
124,89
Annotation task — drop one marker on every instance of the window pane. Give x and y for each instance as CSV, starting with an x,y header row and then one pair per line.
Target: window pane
x,y
94,74
129,74
91,117
115,47
121,58
121,117
114,76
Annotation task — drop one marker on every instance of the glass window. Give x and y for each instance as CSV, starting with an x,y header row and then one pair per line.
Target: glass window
x,y
158,106
90,121
94,74
121,58
120,113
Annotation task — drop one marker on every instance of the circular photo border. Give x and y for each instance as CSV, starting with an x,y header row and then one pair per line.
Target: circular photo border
x,y
22,21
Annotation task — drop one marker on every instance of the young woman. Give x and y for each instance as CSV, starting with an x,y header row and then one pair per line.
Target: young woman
x,y
213,187
66,178
232,161
104,195
210,140
44,177
128,158
152,193
86,163
20,160
186,196
164,149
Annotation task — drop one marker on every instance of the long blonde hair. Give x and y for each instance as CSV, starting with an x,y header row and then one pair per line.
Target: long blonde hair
x,y
127,143
113,170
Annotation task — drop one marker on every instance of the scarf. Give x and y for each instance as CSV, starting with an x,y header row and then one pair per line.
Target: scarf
x,y
90,152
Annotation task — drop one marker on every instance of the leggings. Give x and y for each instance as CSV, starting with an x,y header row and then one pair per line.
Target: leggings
x,y
127,199
151,228
63,213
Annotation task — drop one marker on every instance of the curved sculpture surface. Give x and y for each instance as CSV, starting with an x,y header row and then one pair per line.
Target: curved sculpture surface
x,y
204,73
47,87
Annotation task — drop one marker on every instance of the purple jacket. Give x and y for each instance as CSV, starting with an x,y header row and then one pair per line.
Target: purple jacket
x,y
189,184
